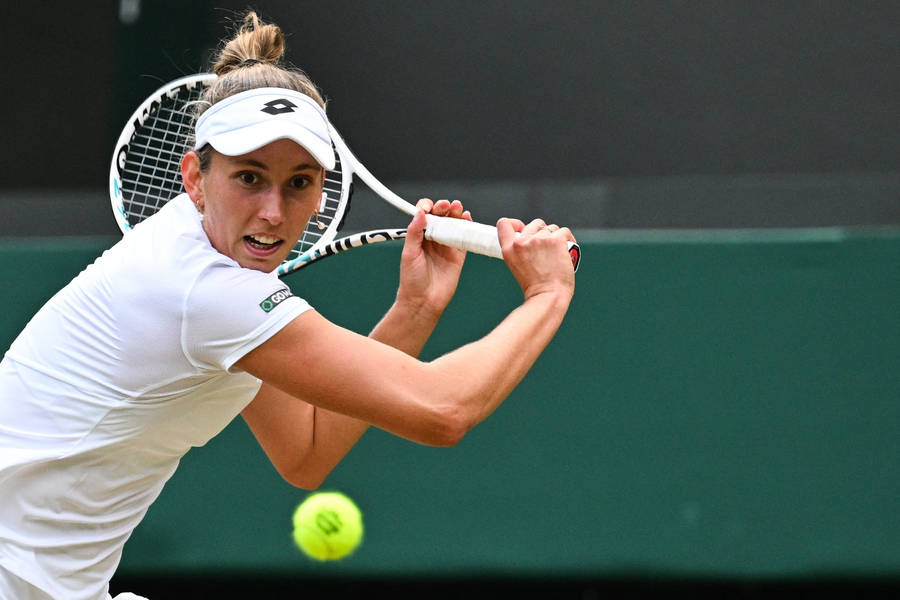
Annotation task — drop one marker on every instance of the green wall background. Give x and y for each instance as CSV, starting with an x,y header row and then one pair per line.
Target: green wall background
x,y
719,404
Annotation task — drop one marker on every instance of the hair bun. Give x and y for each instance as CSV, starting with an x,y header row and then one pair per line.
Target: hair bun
x,y
254,58
256,42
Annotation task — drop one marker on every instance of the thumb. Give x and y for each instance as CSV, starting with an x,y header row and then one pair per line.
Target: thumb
x,y
507,229
416,227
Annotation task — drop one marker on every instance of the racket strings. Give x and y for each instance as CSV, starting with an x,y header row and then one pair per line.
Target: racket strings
x,y
321,224
150,171
149,167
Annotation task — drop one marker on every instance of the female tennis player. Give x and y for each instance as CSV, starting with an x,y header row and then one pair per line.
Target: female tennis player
x,y
182,325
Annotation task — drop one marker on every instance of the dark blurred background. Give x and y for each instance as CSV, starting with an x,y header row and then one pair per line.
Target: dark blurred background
x,y
637,114
597,114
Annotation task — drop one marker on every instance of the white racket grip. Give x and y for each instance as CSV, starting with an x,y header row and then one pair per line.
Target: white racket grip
x,y
465,235
475,237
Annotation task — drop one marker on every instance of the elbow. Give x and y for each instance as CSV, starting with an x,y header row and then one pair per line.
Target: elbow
x,y
450,427
304,479
305,482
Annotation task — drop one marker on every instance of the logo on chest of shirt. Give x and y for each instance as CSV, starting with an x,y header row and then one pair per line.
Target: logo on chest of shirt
x,y
269,304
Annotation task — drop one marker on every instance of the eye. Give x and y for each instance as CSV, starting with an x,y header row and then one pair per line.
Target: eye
x,y
300,181
247,177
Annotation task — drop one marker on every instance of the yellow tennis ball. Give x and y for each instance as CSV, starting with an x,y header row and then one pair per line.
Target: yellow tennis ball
x,y
327,526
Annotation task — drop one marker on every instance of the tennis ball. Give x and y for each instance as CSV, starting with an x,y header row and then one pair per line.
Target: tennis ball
x,y
327,526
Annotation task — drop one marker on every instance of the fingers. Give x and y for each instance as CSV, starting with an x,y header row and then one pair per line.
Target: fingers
x,y
566,233
425,204
557,231
515,231
537,254
444,208
535,226
507,228
541,228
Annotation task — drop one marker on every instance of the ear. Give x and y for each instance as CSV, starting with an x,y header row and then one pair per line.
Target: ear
x,y
192,177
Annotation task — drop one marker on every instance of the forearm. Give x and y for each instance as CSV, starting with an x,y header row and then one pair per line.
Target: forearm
x,y
433,403
406,328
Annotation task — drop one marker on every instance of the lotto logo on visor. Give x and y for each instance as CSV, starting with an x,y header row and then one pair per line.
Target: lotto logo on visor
x,y
269,304
276,107
250,120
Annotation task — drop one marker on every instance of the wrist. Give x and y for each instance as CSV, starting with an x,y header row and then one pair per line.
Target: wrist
x,y
559,295
416,310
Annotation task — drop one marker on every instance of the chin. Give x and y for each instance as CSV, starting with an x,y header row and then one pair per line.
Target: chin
x,y
266,266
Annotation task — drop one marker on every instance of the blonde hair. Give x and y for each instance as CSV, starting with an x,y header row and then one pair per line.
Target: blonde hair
x,y
253,58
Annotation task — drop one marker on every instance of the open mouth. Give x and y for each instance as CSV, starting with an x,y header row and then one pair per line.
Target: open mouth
x,y
263,242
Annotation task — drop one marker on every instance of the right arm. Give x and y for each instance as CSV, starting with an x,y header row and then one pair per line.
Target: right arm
x,y
435,402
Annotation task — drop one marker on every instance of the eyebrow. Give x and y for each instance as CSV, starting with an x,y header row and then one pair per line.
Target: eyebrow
x,y
262,166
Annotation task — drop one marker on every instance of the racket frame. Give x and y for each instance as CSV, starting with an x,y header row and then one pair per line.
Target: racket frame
x,y
468,235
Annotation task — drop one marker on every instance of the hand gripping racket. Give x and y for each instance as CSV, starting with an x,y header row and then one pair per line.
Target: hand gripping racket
x,y
145,174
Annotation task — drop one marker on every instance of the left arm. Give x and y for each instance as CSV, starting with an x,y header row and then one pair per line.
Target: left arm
x,y
305,442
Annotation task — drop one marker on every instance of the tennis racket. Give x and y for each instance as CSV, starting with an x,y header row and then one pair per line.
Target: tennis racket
x,y
145,174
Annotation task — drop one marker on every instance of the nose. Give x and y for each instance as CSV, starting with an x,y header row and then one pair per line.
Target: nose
x,y
271,208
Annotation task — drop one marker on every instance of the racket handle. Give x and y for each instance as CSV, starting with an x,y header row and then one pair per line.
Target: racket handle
x,y
475,237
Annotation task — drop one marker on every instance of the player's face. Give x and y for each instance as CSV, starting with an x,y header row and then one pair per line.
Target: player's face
x,y
255,206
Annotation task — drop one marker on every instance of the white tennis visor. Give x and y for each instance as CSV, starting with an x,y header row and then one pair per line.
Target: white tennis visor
x,y
249,120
